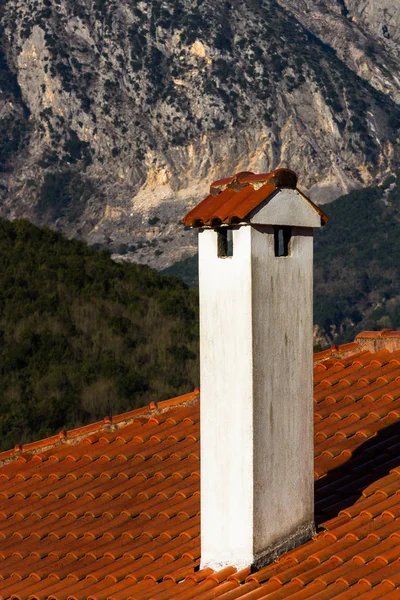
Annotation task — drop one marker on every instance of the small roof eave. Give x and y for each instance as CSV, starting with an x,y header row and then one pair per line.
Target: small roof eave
x,y
233,199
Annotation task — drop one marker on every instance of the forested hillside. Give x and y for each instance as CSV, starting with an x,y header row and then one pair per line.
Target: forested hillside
x,y
357,257
82,337
356,269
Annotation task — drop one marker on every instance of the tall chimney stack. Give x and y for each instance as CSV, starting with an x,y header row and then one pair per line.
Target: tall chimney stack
x,y
256,373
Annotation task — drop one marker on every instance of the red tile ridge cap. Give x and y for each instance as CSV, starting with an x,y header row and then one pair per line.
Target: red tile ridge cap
x,y
365,341
280,178
386,339
75,436
342,351
383,333
221,184
227,194
229,206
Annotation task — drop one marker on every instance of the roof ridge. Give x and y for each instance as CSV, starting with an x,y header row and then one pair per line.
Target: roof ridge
x,y
282,177
113,423
365,341
342,351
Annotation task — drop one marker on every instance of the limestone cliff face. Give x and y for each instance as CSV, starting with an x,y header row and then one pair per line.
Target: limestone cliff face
x,y
116,115
380,18
364,34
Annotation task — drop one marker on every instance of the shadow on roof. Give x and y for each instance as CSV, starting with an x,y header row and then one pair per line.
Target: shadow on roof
x,y
344,485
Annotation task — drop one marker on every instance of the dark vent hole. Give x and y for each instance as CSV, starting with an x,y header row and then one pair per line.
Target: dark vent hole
x,y
282,237
225,243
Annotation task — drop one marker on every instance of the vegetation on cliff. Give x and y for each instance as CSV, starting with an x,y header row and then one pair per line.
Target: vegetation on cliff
x,y
114,113
82,337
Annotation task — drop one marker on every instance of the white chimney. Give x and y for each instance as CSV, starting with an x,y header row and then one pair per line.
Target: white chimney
x,y
256,374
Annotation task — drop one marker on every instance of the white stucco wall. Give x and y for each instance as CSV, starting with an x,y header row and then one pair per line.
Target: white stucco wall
x,y
226,401
256,396
283,388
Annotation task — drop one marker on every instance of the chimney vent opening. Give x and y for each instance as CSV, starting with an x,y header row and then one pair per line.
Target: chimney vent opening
x,y
225,243
282,238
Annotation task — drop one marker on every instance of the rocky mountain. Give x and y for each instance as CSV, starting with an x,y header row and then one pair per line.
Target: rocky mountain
x,y
115,115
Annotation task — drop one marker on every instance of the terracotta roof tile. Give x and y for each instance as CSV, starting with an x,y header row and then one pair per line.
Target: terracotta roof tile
x,y
112,510
380,591
232,199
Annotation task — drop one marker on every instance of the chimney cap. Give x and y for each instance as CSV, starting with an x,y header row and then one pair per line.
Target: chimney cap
x,y
232,199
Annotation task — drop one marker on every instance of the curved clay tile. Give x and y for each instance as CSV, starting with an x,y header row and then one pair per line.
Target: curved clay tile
x,y
278,178
226,209
233,198
249,204
234,182
204,212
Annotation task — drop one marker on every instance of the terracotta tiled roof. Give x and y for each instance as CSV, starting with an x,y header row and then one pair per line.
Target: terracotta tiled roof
x,y
111,511
232,199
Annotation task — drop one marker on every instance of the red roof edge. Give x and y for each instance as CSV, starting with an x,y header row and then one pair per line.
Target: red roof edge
x,y
365,341
74,436
341,351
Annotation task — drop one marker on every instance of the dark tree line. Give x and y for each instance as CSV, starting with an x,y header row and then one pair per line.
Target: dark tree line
x,y
82,337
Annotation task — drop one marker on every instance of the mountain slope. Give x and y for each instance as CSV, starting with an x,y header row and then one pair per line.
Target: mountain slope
x,y
116,116
365,35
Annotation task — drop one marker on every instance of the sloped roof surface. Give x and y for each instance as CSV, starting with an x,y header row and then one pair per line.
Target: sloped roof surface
x,y
232,199
111,511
